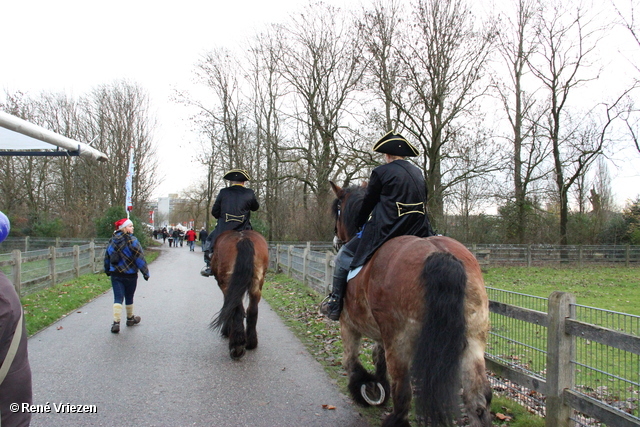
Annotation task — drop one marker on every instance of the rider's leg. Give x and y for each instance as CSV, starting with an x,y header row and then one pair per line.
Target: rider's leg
x,y
332,307
208,250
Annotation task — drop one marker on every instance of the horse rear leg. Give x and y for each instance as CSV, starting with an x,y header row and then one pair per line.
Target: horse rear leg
x,y
398,364
366,389
476,392
252,320
237,335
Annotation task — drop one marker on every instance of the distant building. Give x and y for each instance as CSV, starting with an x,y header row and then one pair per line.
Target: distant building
x,y
166,206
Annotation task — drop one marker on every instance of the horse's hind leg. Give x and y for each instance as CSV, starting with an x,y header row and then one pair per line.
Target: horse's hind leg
x,y
398,364
476,390
252,320
380,362
351,363
237,335
366,389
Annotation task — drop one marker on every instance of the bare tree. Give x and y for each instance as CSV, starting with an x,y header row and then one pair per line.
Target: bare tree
x,y
381,27
566,38
268,94
516,44
220,72
444,63
118,117
322,64
73,190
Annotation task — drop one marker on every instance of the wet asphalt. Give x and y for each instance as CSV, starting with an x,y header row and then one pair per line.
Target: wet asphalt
x,y
171,369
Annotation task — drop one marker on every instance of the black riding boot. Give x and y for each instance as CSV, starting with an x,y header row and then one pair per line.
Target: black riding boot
x,y
206,271
332,305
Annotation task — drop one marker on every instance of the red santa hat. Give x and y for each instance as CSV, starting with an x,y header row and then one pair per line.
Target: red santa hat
x,y
122,223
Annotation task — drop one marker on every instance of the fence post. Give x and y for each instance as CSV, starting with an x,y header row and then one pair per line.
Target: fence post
x,y
16,256
57,242
76,260
328,272
580,256
529,255
560,352
289,263
277,258
627,256
305,263
52,265
26,244
92,256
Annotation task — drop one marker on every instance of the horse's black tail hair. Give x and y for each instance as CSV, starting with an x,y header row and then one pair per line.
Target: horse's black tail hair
x,y
436,364
239,285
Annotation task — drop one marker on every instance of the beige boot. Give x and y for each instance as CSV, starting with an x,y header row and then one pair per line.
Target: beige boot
x,y
131,319
117,313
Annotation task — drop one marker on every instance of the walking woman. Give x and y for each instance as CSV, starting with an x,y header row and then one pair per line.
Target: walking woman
x,y
122,260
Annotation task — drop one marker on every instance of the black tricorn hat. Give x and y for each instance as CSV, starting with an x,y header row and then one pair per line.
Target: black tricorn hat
x,y
395,144
239,175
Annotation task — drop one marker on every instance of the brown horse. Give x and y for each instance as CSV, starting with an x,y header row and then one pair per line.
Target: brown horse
x,y
239,264
423,301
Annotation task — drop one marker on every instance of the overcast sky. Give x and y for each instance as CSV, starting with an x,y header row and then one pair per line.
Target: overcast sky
x,y
75,45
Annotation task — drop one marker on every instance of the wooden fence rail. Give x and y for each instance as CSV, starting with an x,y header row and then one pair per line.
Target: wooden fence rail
x,y
565,404
37,269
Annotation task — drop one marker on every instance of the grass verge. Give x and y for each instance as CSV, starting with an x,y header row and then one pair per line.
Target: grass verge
x,y
297,306
45,307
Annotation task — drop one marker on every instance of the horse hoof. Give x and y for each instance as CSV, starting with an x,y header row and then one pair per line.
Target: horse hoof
x,y
373,393
236,353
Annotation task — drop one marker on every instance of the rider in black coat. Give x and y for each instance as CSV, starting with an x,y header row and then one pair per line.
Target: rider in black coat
x,y
395,204
232,209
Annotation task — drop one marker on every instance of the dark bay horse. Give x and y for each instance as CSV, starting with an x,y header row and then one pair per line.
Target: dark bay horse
x,y
423,301
239,264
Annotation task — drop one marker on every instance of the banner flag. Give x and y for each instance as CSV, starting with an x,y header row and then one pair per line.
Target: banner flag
x,y
128,184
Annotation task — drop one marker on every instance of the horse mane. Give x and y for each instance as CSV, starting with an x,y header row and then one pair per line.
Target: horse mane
x,y
351,200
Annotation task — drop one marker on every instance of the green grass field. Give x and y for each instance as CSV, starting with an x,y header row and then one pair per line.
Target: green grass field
x,y
609,288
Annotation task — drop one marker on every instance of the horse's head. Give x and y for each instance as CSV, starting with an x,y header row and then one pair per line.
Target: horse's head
x,y
345,208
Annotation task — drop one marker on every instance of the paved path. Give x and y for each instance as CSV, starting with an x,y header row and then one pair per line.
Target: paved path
x,y
171,370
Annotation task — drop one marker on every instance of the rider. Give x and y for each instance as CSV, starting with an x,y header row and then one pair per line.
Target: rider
x,y
395,204
232,209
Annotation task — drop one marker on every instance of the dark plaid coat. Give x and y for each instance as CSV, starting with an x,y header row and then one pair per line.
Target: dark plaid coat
x,y
124,256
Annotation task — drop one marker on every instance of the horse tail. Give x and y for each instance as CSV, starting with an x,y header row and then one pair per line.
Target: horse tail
x,y
442,340
239,285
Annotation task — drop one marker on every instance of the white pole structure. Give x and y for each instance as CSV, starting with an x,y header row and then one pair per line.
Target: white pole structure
x,y
26,128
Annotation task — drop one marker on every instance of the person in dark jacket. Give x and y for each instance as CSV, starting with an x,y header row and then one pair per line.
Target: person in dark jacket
x,y
202,236
395,204
123,258
15,371
232,209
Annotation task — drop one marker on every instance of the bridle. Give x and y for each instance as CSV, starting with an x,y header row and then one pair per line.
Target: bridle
x,y
337,242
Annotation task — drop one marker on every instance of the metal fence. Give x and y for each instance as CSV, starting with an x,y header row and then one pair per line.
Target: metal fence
x,y
530,255
572,364
33,270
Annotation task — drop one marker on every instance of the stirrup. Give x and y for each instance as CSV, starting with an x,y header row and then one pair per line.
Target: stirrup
x,y
328,309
